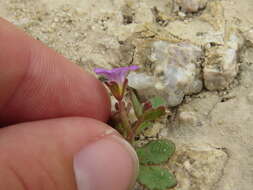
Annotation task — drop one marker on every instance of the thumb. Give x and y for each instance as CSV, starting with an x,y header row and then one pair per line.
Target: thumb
x,y
66,153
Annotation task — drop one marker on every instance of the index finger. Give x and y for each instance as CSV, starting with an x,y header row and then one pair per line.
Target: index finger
x,y
37,83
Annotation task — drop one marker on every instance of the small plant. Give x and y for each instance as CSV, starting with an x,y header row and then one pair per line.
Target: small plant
x,y
156,152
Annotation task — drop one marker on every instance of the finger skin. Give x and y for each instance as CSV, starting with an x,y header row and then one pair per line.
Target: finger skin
x,y
37,83
39,155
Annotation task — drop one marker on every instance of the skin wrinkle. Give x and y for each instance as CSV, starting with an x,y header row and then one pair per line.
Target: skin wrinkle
x,y
42,69
37,68
16,88
19,178
7,29
49,176
61,163
45,179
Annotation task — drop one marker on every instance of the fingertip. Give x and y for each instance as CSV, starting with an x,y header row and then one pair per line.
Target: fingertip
x,y
109,163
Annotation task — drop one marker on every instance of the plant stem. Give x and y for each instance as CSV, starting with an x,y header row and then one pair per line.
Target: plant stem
x,y
124,119
135,127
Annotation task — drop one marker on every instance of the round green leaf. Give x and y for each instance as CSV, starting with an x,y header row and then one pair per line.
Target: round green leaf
x,y
156,178
153,114
156,152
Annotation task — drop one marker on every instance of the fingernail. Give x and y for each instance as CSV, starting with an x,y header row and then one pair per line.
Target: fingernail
x,y
109,163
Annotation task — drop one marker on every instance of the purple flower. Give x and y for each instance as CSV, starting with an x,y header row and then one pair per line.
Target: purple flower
x,y
117,81
117,75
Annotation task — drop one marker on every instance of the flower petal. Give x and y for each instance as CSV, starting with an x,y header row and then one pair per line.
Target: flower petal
x,y
117,74
133,67
101,71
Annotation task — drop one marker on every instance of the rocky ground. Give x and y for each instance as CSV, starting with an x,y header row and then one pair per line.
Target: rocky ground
x,y
198,54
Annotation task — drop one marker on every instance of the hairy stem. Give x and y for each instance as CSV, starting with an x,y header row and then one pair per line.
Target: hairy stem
x,y
124,119
135,127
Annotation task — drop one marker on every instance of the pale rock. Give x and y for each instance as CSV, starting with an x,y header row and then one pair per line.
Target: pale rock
x,y
189,6
107,52
247,55
142,11
204,29
250,98
249,35
221,65
154,130
176,71
197,167
214,15
140,80
181,14
187,118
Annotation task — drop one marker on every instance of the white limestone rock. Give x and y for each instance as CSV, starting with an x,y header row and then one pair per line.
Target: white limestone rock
x,y
198,166
249,36
176,71
189,6
221,65
154,130
187,118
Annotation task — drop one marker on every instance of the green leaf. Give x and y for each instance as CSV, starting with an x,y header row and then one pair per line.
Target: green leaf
x,y
156,178
143,126
157,102
153,114
156,152
138,108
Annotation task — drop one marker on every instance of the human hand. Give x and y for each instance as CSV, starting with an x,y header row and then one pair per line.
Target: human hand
x,y
52,114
